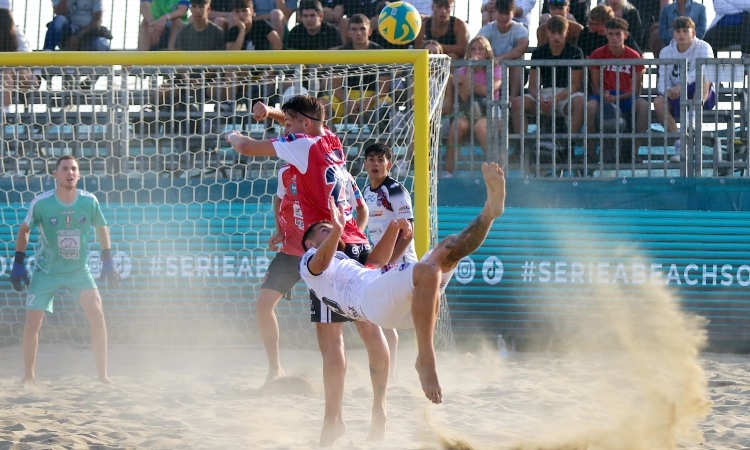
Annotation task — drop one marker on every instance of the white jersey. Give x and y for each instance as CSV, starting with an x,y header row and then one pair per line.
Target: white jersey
x,y
389,201
669,74
349,288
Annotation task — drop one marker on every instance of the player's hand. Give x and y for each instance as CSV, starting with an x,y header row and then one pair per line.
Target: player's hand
x,y
260,111
338,217
229,135
404,226
19,277
274,242
109,274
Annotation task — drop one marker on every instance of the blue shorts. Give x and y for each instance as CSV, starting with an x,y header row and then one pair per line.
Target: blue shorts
x,y
709,104
625,105
44,285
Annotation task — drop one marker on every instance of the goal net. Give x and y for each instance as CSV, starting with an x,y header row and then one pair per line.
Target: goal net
x,y
190,219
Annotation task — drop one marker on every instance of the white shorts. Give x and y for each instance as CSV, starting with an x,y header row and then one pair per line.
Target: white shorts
x,y
386,301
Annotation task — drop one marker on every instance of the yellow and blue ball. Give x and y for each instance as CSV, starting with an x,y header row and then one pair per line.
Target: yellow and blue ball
x,y
399,23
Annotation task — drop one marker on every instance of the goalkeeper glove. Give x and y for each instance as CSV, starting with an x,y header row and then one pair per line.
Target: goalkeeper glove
x,y
109,273
18,275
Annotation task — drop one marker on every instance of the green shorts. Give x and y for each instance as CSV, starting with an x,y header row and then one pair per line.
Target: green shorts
x,y
44,285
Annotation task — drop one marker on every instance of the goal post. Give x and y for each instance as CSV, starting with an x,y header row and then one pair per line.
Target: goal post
x,y
143,123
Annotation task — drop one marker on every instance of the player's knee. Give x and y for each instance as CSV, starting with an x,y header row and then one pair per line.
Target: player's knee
x,y
427,272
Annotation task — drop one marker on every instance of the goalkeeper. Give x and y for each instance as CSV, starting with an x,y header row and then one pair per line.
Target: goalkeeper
x,y
64,218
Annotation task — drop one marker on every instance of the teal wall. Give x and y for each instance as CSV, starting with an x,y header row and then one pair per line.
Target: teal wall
x,y
194,257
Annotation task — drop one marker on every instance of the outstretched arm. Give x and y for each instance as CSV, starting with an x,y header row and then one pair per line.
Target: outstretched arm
x,y
249,146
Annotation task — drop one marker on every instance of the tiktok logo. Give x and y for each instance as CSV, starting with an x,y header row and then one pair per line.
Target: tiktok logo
x,y
492,270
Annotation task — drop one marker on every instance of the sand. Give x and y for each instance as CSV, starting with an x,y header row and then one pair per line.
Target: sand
x,y
210,399
630,377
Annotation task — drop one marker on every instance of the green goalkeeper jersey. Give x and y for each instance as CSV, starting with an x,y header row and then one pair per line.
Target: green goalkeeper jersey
x,y
64,230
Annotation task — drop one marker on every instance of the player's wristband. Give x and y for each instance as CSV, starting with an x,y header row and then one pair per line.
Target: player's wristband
x,y
107,254
19,258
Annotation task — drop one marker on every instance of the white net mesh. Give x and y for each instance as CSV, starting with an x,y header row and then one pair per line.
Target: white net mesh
x,y
189,218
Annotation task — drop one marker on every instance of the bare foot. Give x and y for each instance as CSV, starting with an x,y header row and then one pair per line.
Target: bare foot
x,y
27,381
275,374
331,432
494,179
429,379
377,428
105,380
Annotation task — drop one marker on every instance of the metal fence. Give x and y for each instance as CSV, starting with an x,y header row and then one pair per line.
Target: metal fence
x,y
711,142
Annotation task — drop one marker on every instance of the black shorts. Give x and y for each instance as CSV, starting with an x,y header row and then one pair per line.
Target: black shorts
x,y
282,273
320,313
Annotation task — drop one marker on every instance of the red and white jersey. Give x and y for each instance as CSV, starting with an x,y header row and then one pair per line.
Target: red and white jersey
x,y
612,72
321,163
290,213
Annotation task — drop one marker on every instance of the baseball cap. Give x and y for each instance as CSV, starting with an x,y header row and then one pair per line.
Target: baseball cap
x,y
5,4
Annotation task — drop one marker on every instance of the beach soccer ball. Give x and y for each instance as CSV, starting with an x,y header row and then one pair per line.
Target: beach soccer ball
x,y
399,23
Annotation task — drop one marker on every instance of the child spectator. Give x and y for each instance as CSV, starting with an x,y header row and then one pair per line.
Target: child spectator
x,y
474,96
616,84
557,89
509,40
77,25
680,8
684,45
162,20
559,8
312,33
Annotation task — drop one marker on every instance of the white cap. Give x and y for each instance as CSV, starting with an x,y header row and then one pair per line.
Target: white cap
x,y
5,4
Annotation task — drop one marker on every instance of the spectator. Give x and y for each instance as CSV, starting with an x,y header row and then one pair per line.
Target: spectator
x,y
616,84
623,9
509,40
688,8
730,26
12,40
312,33
356,94
684,45
340,11
433,47
474,96
162,20
200,34
649,10
579,10
557,89
543,18
244,33
450,31
276,13
522,11
594,35
559,8
488,11
77,25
